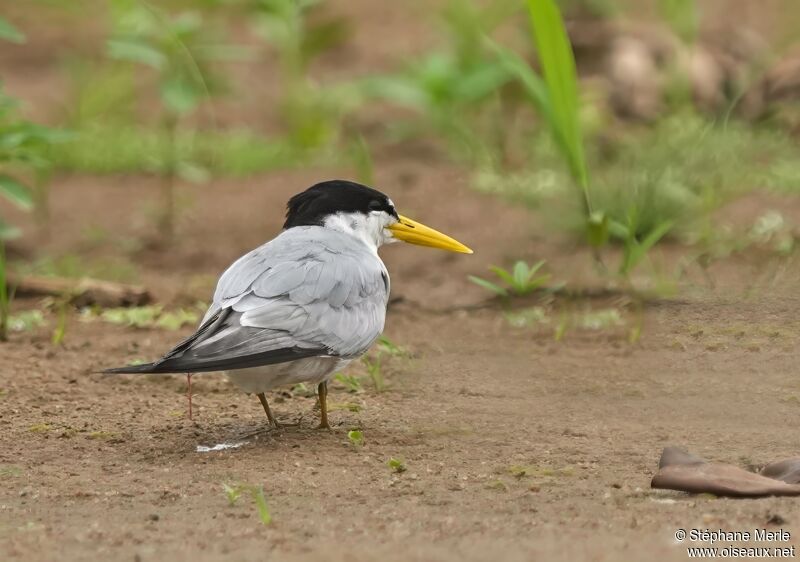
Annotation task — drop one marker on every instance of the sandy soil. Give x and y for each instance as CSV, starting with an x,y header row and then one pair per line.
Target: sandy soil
x,y
517,446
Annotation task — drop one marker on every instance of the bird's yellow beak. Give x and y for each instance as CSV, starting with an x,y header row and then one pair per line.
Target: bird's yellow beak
x,y
413,232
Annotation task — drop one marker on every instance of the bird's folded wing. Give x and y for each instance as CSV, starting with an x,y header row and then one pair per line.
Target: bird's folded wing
x,y
306,293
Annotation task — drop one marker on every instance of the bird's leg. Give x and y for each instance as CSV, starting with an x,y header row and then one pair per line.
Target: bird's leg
x,y
272,421
189,392
322,391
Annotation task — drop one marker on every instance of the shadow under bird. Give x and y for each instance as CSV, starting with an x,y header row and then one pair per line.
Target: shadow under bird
x,y
306,303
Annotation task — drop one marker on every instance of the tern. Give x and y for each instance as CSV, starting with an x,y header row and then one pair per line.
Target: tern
x,y
302,306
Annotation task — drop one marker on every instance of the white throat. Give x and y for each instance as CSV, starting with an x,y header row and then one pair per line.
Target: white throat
x,y
369,228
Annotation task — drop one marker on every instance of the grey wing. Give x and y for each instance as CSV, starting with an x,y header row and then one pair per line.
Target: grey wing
x,y
297,296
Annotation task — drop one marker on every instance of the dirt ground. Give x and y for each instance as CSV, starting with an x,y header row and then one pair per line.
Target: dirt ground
x,y
99,467
517,446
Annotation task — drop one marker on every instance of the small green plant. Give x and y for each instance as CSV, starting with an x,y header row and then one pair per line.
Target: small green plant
x,y
373,362
61,306
356,438
388,347
396,465
23,148
373,366
521,280
233,492
179,51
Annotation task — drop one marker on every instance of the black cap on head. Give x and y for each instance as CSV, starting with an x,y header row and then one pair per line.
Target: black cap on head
x,y
310,207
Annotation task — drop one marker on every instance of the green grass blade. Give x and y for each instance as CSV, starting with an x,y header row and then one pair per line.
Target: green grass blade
x,y
261,504
535,88
502,274
520,275
635,252
536,267
488,285
10,33
15,192
558,68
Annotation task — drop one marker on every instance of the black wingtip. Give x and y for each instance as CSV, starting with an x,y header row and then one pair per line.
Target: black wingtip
x,y
131,369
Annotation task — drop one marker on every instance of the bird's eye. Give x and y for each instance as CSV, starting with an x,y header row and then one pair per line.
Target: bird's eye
x,y
375,205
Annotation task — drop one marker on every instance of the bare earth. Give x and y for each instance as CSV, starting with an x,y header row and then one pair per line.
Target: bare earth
x,y
517,446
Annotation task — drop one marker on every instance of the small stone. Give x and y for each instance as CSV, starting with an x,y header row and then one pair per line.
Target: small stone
x,y
153,517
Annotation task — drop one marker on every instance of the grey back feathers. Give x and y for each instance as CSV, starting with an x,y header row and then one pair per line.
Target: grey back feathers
x,y
310,291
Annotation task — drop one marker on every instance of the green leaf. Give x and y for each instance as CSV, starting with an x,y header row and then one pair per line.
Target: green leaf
x,y
15,192
636,251
10,33
535,88
261,504
558,68
181,95
233,493
488,285
502,274
133,50
520,275
356,437
481,82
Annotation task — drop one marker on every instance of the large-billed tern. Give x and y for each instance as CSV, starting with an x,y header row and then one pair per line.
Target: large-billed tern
x,y
306,303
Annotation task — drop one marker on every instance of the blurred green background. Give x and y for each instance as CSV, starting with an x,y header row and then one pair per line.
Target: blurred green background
x,y
621,126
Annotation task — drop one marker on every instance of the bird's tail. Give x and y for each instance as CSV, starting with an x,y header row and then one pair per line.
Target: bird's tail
x,y
142,368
